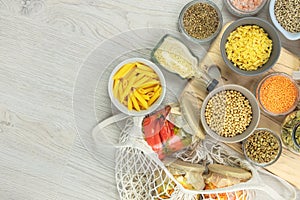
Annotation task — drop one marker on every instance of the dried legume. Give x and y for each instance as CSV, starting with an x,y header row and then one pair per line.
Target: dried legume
x,y
278,94
201,20
246,5
287,13
228,113
262,146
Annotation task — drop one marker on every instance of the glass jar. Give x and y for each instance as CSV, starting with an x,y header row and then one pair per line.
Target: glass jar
x,y
242,8
290,132
277,94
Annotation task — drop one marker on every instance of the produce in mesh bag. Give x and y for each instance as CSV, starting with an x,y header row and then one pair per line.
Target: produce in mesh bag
x,y
189,175
166,131
221,176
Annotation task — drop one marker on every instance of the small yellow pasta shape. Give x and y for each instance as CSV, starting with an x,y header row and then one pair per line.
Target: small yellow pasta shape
x,y
144,67
248,47
150,84
124,70
129,104
135,103
140,98
154,97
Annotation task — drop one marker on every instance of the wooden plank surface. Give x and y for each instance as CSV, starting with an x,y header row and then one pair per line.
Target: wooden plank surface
x,y
287,62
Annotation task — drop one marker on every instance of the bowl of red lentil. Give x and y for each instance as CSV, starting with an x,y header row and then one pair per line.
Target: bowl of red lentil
x,y
200,21
244,8
277,94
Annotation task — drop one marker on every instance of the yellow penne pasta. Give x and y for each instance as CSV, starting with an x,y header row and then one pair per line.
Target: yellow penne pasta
x,y
135,103
127,89
140,98
125,83
123,70
150,94
147,73
143,80
115,88
149,84
145,90
144,67
154,97
129,104
130,74
120,89
146,97
156,88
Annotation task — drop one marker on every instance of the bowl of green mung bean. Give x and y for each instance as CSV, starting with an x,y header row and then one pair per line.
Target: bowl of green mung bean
x,y
200,21
263,147
230,113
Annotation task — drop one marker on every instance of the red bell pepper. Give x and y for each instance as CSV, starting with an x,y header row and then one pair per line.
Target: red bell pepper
x,y
150,122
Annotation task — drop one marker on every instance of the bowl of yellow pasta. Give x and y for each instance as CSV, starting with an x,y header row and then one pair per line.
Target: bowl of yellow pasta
x,y
250,46
136,86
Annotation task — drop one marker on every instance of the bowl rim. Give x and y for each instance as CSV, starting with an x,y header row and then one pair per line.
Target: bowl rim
x,y
241,13
245,21
182,29
254,105
122,107
262,80
277,156
285,33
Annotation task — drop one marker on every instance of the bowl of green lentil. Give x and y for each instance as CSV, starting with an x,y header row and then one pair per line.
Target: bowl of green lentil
x,y
200,21
250,46
262,148
230,113
277,94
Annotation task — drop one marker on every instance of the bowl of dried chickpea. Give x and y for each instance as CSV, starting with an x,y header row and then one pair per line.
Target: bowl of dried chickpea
x,y
136,86
250,46
263,147
230,113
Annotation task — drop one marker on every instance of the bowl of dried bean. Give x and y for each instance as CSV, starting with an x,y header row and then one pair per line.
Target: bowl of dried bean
x,y
250,46
244,8
230,113
200,21
277,94
285,17
263,147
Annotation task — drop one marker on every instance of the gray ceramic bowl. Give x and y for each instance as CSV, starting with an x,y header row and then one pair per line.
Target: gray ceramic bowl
x,y
255,114
273,35
267,163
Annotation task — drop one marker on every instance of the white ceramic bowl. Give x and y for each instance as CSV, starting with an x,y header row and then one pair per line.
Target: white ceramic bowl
x,y
255,114
121,106
288,35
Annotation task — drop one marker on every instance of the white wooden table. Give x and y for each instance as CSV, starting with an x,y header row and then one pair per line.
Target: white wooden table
x,y
42,46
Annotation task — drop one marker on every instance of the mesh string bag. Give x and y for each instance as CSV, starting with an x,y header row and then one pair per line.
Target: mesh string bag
x,y
140,174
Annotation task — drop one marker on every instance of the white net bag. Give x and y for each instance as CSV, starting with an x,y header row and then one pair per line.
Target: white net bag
x,y
140,174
